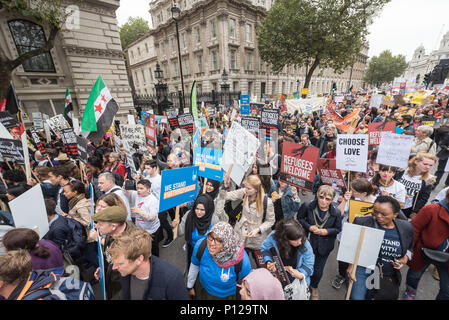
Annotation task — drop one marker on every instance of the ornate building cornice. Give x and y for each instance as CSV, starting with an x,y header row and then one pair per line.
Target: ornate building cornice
x,y
91,52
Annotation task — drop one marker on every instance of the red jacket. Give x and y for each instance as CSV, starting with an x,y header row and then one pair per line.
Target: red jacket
x,y
118,168
431,226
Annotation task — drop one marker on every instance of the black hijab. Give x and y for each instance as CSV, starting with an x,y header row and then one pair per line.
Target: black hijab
x,y
216,185
201,224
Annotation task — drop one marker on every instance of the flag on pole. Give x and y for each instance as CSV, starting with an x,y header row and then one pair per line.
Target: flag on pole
x,y
68,108
99,112
194,103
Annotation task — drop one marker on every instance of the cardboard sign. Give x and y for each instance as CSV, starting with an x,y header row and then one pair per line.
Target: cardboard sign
x,y
299,164
57,123
70,142
252,124
37,141
374,130
240,151
186,122
150,129
376,101
352,152
8,120
82,148
327,169
134,135
178,186
129,157
395,149
28,211
38,120
371,244
359,209
172,116
12,149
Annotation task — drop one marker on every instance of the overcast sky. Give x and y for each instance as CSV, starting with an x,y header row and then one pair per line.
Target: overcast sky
x,y
401,27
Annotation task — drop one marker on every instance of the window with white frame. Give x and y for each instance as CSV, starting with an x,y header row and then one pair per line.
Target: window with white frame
x,y
232,28
200,63
213,29
248,33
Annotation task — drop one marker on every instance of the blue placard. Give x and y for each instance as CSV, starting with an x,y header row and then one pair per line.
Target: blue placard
x,y
208,160
244,104
178,186
244,99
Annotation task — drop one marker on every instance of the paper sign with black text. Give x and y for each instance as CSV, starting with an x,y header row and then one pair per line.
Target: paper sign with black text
x,y
352,152
186,122
172,116
252,124
12,149
8,120
395,149
70,143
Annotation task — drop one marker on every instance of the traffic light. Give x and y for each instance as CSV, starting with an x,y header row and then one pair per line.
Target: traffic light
x,y
427,78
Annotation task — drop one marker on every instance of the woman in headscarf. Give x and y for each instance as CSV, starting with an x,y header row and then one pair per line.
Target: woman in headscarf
x,y
197,222
220,260
261,285
213,189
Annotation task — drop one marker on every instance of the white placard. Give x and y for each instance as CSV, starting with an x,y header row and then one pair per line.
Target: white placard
x,y
131,120
446,168
28,211
371,245
76,125
38,121
26,155
376,101
352,152
134,135
57,123
4,133
240,150
47,132
394,149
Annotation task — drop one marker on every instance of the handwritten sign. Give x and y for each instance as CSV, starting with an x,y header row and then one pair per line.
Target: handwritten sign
x,y
11,148
134,135
352,152
395,149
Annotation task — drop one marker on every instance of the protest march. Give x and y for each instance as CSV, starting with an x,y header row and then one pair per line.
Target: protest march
x,y
341,195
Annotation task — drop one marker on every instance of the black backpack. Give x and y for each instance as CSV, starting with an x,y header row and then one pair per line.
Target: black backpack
x,y
236,213
77,243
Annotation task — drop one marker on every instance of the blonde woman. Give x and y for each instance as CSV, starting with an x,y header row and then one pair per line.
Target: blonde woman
x,y
257,214
418,182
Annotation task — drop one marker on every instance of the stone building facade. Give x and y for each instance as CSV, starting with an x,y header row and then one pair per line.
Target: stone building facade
x,y
216,35
88,48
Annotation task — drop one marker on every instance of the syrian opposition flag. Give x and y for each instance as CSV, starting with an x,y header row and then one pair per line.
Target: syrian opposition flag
x,y
99,112
68,108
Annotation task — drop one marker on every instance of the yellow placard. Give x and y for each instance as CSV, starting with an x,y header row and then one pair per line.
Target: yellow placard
x,y
305,91
359,209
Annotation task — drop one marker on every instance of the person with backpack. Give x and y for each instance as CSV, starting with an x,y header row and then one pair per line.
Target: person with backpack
x,y
258,211
107,184
144,276
45,254
220,261
322,221
18,281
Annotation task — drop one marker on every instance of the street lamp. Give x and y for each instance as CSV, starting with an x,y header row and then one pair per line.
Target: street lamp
x,y
176,13
224,85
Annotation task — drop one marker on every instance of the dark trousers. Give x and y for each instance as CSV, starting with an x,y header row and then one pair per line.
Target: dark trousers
x,y
342,267
165,225
157,236
440,172
91,255
318,268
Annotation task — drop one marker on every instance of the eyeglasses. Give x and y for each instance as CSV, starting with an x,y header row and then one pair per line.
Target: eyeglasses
x,y
212,239
324,198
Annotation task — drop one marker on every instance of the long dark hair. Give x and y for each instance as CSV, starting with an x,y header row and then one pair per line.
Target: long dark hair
x,y
285,230
382,167
27,239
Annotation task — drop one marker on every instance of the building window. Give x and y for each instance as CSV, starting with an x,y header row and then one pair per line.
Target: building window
x,y
198,35
214,60
27,37
175,68
200,63
151,75
283,87
273,88
138,51
199,87
187,66
137,78
213,29
146,47
260,65
248,33
250,87
232,28
184,40
166,71
233,60
248,61
235,86
143,77
214,86
173,48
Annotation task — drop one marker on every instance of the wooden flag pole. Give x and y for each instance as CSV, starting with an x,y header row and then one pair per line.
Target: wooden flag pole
x,y
204,186
1,176
9,166
356,261
175,232
49,160
35,175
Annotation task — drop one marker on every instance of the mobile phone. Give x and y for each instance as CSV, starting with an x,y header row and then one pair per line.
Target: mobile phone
x,y
396,262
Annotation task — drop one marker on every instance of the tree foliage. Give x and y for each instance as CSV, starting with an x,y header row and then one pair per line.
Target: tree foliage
x,y
132,30
384,68
338,33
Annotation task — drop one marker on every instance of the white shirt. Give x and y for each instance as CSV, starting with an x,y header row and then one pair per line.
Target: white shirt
x,y
149,219
155,185
412,186
118,191
396,190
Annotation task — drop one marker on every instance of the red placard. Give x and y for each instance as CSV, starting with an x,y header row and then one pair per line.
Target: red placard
x,y
403,85
374,130
299,164
327,169
150,130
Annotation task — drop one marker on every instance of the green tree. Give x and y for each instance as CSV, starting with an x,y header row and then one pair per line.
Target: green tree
x,y
384,68
318,33
132,30
50,14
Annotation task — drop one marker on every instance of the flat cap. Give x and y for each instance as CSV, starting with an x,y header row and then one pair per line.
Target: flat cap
x,y
114,214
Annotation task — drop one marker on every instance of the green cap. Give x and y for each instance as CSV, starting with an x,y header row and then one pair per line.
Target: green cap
x,y
114,214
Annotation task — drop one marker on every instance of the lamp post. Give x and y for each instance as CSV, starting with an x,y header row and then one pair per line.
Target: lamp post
x,y
176,13
224,85
161,88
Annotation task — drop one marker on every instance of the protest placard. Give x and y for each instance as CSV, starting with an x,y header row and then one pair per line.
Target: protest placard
x,y
134,135
178,186
82,148
150,129
244,104
70,143
299,164
38,120
376,101
395,149
172,116
37,141
352,152
8,120
186,122
57,123
117,144
131,120
239,151
252,124
129,157
374,130
207,159
370,248
12,149
32,216
269,121
327,169
4,133
359,209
